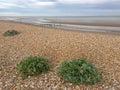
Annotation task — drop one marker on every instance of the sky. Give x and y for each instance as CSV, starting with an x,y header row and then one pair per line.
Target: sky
x,y
59,7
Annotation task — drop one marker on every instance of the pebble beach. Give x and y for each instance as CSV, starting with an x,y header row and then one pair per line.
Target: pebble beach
x,y
101,49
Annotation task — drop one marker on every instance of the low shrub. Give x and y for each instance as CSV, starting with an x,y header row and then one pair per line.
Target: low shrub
x,y
11,33
32,65
79,71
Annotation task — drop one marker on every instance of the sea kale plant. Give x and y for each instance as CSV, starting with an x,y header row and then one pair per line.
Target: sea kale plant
x,y
32,65
11,33
79,71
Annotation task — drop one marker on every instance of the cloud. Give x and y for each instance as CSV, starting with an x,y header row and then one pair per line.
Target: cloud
x,y
25,3
9,5
41,3
86,1
44,3
57,7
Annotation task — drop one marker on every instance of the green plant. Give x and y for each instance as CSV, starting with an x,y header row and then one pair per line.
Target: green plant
x,y
79,71
11,33
32,65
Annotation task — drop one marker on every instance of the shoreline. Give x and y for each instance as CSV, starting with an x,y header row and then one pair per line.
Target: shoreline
x,y
111,32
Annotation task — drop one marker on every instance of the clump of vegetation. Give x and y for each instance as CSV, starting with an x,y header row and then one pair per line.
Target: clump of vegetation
x,y
32,65
11,33
79,71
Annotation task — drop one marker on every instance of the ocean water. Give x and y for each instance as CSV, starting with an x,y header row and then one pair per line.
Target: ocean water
x,y
99,24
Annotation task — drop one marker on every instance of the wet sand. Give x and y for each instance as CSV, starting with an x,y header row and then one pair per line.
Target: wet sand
x,y
89,23
103,50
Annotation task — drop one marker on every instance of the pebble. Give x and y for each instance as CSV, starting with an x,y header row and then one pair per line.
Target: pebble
x,y
1,84
31,86
26,85
14,76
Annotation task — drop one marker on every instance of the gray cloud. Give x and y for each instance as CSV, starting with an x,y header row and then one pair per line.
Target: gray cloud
x,y
86,1
58,7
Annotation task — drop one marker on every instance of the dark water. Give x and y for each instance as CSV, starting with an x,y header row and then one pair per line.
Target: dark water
x,y
113,23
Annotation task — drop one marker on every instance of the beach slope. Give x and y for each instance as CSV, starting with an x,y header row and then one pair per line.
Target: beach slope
x,y
103,50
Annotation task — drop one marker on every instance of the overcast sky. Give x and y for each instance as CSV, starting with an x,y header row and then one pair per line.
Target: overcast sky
x,y
60,7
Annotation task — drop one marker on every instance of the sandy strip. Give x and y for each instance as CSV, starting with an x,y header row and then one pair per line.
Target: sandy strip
x,y
92,23
103,50
57,26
